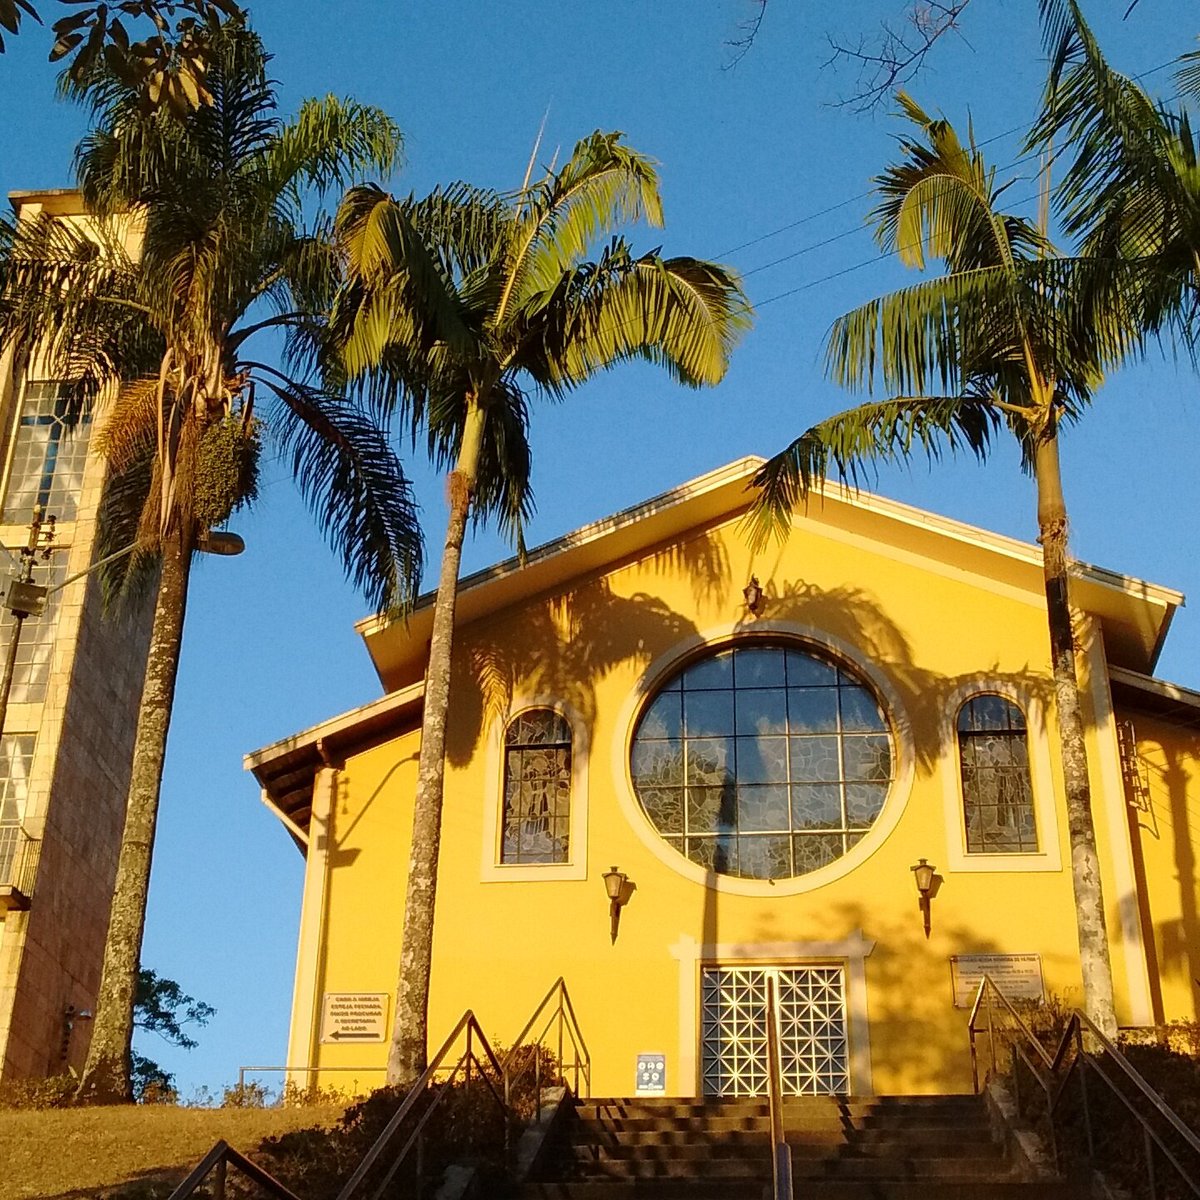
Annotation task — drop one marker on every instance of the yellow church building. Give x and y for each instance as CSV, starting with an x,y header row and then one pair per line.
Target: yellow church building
x,y
764,745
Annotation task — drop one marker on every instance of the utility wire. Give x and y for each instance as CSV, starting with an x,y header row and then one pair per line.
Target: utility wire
x,y
824,212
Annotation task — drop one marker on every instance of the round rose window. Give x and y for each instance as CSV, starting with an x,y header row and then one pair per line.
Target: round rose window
x,y
765,761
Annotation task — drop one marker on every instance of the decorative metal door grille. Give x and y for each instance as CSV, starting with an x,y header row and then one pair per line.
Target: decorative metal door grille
x,y
812,1030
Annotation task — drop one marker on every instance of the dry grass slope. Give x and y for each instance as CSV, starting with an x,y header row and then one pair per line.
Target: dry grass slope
x,y
73,1154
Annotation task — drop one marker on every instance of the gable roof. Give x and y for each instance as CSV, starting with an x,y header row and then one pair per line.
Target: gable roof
x,y
1135,615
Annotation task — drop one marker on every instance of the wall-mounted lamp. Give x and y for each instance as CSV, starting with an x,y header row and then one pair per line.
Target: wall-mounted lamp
x,y
70,1015
754,595
619,889
924,876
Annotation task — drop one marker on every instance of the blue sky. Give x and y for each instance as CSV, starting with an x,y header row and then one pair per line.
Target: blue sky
x,y
750,159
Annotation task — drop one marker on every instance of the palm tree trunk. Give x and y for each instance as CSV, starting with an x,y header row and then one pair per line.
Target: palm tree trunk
x,y
410,1029
1085,862
105,1078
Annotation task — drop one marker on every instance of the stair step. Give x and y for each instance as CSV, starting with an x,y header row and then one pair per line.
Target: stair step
x,y
947,1106
715,1122
690,1189
758,1166
695,1144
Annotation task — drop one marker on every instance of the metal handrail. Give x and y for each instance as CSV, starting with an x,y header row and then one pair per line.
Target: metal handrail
x,y
564,1020
218,1159
1052,1073
470,1026
781,1152
21,859
568,1026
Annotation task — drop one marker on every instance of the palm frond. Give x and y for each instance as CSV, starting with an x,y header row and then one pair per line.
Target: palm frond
x,y
396,289
897,429
331,143
681,313
602,186
356,487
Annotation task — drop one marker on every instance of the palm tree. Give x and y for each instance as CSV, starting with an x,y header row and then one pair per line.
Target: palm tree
x,y
1132,189
457,305
1011,337
226,254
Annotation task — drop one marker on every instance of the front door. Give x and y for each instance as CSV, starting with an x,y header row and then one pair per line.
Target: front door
x,y
812,1030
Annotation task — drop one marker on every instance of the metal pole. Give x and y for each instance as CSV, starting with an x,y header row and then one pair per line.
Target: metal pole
x,y
24,575
1081,1065
10,663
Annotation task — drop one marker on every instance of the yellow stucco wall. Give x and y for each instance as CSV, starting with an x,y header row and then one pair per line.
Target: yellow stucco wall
x,y
926,633
1167,840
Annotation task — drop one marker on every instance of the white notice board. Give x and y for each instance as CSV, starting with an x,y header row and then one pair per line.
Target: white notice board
x,y
1018,976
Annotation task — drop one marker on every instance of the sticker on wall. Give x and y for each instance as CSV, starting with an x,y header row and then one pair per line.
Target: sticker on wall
x,y
1018,976
354,1017
651,1075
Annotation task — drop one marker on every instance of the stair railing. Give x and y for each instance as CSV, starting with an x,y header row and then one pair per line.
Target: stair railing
x,y
781,1152
468,1027
1083,1051
217,1163
554,1015
478,1060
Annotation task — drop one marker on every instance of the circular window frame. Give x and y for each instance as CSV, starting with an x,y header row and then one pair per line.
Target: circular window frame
x,y
712,641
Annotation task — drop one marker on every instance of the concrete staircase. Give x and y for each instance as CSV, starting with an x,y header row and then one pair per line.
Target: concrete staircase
x,y
883,1148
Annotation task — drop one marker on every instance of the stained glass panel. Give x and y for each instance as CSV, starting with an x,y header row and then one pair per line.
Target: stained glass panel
x,y
741,758
997,789
537,789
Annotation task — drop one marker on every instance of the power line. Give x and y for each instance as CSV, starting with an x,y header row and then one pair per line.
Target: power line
x,y
813,216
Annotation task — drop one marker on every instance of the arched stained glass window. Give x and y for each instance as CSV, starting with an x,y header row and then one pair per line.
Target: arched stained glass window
x,y
993,749
537,788
765,761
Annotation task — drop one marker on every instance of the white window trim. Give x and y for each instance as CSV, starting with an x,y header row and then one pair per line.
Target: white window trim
x,y
741,634
1041,778
850,952
492,870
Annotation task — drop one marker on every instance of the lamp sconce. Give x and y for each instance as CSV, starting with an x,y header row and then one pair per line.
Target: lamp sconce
x,y
753,594
619,888
71,1014
928,881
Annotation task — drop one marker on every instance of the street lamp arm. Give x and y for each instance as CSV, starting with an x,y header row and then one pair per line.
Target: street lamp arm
x,y
100,562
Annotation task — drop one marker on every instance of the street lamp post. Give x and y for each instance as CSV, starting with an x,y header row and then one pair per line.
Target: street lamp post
x,y
25,598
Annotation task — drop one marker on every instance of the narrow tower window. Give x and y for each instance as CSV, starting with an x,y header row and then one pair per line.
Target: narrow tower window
x,y
48,456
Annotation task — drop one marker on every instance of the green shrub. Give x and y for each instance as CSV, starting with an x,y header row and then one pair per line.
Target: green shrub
x,y
466,1127
54,1091
247,1094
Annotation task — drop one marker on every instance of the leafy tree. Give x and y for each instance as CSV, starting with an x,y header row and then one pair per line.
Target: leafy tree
x,y
1011,338
161,1006
226,255
457,306
168,66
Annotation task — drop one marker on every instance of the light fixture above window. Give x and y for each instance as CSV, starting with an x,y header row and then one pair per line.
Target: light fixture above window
x,y
753,594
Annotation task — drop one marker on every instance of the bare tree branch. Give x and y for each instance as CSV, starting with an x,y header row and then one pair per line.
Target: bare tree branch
x,y
897,52
748,29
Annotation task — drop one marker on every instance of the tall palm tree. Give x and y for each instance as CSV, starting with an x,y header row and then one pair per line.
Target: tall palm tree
x,y
226,254
457,306
1011,338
